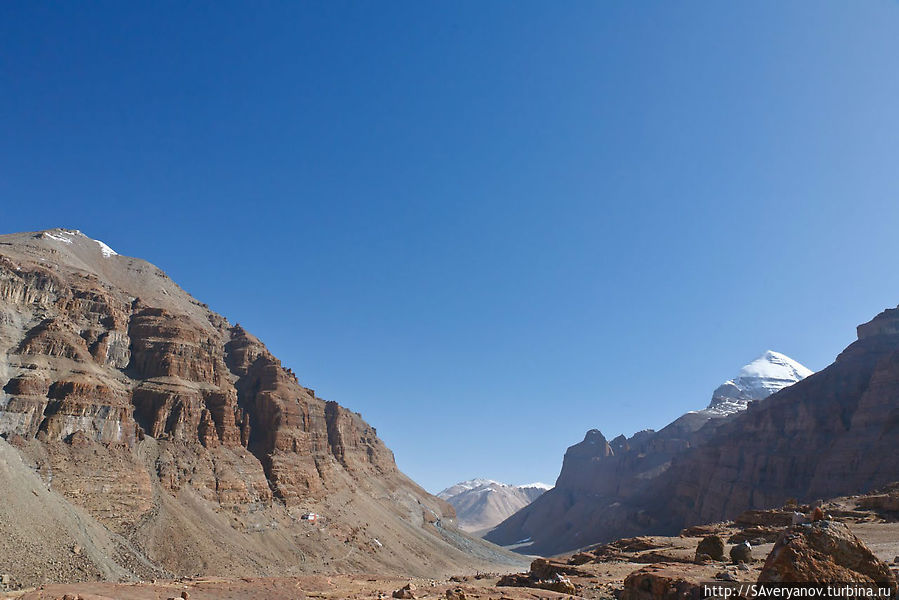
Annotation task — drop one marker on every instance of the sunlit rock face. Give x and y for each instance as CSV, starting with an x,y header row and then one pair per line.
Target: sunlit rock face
x,y
137,403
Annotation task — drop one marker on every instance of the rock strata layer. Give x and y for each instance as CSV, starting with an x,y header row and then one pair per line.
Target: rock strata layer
x,y
181,434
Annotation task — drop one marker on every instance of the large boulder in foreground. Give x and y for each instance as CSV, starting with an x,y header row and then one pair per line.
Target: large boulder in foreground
x,y
824,552
712,546
665,582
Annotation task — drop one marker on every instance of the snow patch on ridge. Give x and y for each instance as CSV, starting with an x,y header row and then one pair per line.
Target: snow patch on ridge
x,y
67,236
58,238
106,250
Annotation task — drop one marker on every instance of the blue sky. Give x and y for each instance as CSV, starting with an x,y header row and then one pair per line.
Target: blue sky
x,y
487,226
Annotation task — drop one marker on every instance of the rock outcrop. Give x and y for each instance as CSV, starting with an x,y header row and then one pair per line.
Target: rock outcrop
x,y
831,434
546,575
824,552
181,434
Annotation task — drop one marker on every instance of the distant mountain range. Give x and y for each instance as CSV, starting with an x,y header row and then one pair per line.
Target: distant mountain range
x,y
483,503
600,492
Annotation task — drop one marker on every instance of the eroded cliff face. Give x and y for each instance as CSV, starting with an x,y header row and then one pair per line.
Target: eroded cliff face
x,y
833,433
84,357
133,401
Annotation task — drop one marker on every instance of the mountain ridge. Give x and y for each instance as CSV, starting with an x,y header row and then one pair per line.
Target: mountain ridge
x,y
598,471
184,439
482,503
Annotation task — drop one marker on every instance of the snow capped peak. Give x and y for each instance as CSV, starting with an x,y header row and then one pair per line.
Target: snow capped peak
x,y
767,374
483,503
467,486
774,365
537,484
67,236
480,484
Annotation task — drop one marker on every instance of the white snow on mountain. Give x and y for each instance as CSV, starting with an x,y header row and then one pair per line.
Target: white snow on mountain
x,y
106,250
769,373
537,484
58,237
465,486
67,236
483,503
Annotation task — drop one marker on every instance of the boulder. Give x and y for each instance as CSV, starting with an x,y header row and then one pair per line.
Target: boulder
x,y
405,592
559,584
741,553
713,546
456,594
543,568
824,552
664,582
544,574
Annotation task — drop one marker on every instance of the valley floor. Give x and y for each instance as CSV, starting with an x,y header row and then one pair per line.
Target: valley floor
x,y
599,573
601,580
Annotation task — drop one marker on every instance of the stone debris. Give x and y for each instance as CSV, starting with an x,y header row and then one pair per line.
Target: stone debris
x,y
456,594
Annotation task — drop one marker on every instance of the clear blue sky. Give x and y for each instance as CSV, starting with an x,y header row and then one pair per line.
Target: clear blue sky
x,y
487,226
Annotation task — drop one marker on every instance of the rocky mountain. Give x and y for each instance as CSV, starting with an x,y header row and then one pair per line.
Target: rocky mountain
x,y
481,504
146,436
769,373
603,485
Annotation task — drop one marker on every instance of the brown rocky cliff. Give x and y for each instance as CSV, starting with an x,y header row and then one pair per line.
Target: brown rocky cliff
x,y
87,358
833,433
140,405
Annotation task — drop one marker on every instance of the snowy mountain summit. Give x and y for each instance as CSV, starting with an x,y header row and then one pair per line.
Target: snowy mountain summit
x,y
482,503
68,236
769,373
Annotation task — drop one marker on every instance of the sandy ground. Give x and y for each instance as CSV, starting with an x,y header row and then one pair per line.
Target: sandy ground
x,y
881,538
338,587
